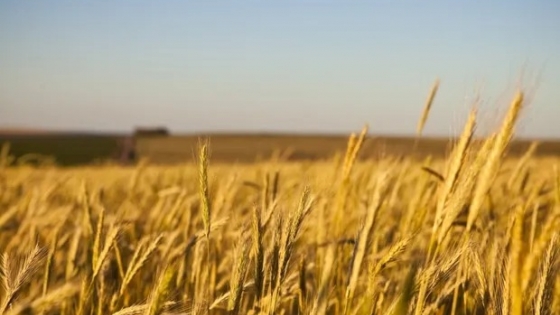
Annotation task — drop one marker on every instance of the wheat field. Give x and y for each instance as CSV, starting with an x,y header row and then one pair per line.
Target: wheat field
x,y
475,233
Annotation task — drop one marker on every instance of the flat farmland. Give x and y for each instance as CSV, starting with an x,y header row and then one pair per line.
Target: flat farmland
x,y
246,148
67,149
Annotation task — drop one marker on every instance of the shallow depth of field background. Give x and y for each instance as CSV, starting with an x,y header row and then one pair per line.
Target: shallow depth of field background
x,y
294,157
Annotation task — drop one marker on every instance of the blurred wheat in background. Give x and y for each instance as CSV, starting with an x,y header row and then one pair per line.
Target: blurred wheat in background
x,y
474,233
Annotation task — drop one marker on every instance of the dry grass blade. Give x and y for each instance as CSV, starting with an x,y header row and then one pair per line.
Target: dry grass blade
x,y
48,302
455,166
97,240
109,242
363,240
291,231
14,279
403,303
427,107
203,185
545,287
133,268
516,289
238,276
142,309
321,301
161,292
391,255
489,170
434,173
258,251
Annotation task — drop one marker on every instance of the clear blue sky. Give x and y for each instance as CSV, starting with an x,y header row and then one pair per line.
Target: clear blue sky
x,y
295,66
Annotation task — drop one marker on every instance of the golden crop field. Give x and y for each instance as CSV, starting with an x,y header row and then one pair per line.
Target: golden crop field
x,y
474,233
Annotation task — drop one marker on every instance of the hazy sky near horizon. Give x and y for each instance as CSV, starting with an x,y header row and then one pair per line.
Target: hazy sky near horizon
x,y
291,66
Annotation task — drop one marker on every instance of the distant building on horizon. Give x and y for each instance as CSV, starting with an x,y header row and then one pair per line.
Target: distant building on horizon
x,y
156,131
127,146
